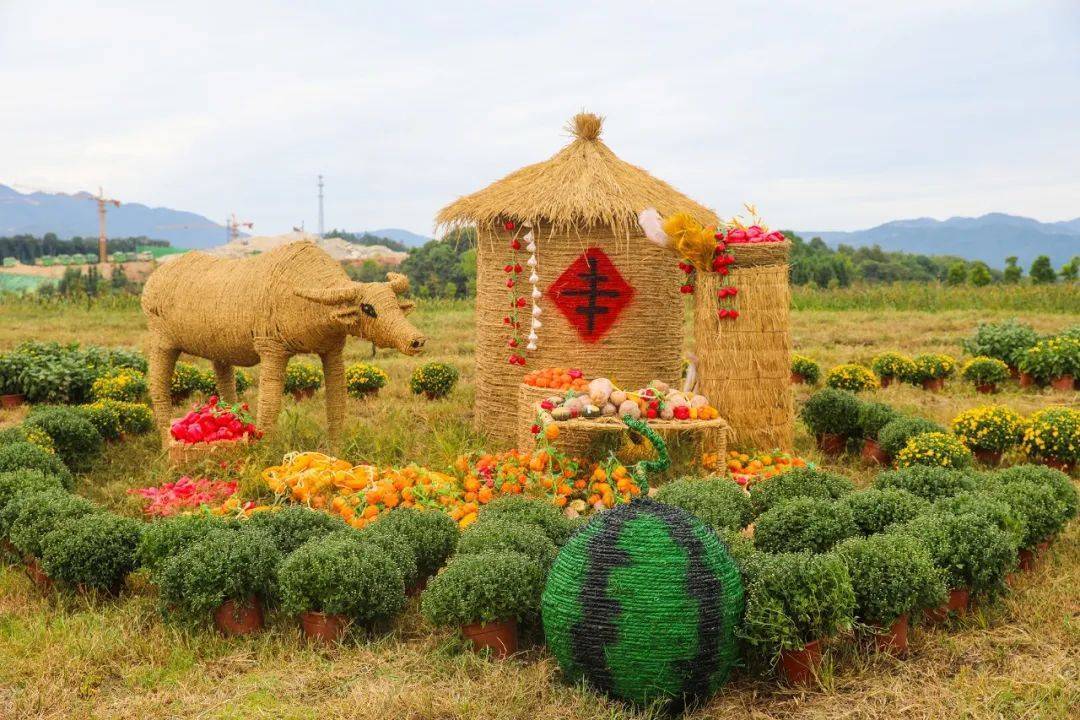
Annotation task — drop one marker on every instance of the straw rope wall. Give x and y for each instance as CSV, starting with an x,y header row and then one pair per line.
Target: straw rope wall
x,y
643,345
744,365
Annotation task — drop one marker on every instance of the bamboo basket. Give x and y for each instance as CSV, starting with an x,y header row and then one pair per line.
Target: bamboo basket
x,y
744,365
183,454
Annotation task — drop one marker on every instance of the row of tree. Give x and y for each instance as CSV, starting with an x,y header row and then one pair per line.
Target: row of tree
x,y
28,248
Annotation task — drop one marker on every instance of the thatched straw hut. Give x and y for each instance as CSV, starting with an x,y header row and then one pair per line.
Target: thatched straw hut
x,y
567,278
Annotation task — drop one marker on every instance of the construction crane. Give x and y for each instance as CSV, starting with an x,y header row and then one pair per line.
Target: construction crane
x,y
234,226
102,201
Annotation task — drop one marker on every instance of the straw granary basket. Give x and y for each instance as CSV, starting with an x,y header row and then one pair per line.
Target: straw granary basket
x,y
608,299
744,365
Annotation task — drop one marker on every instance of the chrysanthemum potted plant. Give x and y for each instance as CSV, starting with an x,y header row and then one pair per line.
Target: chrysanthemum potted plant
x,y
302,380
1052,437
985,373
831,415
11,389
364,380
989,431
931,369
1054,360
890,366
804,370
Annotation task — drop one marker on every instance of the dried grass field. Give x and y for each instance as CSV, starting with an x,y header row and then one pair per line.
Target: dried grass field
x,y
70,656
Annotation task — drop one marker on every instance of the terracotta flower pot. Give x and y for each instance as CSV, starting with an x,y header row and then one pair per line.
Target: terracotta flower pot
x,y
303,394
797,379
1026,379
991,458
236,617
1026,560
957,602
872,452
895,639
831,444
934,384
499,636
1064,466
987,388
12,401
1063,383
1014,372
322,627
800,667
1044,546
886,380
36,574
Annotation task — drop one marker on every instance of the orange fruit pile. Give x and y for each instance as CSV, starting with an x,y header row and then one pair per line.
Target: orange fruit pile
x,y
557,379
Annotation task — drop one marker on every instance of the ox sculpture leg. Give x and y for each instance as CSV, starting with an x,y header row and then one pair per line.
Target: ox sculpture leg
x,y
272,361
226,381
162,359
333,364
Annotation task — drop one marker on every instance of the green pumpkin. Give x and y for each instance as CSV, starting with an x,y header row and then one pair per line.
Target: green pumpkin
x,y
642,603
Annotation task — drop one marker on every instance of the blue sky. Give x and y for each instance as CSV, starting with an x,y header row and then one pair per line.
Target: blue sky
x,y
826,114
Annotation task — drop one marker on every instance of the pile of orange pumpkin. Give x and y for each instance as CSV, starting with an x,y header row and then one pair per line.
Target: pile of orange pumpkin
x,y
747,469
557,379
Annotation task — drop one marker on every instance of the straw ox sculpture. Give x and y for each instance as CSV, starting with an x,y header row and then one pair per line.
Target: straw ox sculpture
x,y
263,310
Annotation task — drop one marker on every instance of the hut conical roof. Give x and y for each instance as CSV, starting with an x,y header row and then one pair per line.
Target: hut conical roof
x,y
583,185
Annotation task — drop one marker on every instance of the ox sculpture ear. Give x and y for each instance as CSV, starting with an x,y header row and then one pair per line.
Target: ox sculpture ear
x,y
398,283
342,298
407,306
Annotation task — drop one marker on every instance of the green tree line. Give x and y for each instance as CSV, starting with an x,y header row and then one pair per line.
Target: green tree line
x,y
28,248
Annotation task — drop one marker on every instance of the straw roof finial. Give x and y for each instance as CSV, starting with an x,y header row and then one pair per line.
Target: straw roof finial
x,y
586,126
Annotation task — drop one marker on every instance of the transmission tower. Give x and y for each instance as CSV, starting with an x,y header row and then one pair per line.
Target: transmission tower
x,y
102,201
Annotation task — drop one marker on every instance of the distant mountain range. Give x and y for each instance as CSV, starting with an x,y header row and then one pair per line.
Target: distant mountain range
x,y
402,236
990,238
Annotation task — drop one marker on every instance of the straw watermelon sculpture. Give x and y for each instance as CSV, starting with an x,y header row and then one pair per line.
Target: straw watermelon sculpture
x,y
642,603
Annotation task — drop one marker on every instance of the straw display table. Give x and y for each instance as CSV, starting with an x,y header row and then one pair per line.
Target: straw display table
x,y
183,454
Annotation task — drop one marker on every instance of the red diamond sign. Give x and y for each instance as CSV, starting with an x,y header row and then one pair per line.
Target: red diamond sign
x,y
591,293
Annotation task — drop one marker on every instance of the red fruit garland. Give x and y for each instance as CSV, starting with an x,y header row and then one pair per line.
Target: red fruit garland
x,y
513,270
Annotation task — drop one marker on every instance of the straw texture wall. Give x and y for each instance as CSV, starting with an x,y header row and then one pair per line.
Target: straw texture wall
x,y
744,365
644,344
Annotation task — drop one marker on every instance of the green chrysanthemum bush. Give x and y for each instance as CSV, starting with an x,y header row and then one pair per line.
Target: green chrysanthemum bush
x,y
993,428
935,449
28,456
875,509
895,434
393,544
342,575
793,599
1042,513
893,365
292,526
433,535
30,516
167,537
14,483
804,524
971,551
24,434
873,416
643,604
78,442
1053,434
120,384
538,512
927,481
854,378
362,379
135,418
891,575
92,551
985,505
798,483
301,377
105,417
932,366
807,368
985,371
504,534
229,564
1005,341
831,411
434,380
485,587
1062,485
717,502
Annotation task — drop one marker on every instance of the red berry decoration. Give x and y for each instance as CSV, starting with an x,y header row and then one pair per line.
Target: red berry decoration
x,y
535,429
515,244
509,225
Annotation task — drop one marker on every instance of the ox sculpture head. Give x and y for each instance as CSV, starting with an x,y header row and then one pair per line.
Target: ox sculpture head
x,y
373,311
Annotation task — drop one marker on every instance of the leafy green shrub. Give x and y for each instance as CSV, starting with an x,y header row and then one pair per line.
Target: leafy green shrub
x,y
831,411
341,575
127,358
484,587
983,504
793,599
12,367
302,376
936,450
803,524
395,545
95,550
894,435
165,538
30,516
18,482
434,379
807,368
926,481
1062,485
543,514
739,547
27,456
993,428
433,535
893,364
875,509
854,378
1052,357
77,441
1053,433
363,379
293,525
970,550
796,483
872,417
932,366
55,373
891,574
718,502
120,384
105,417
222,565
1037,505
985,371
1005,341
504,534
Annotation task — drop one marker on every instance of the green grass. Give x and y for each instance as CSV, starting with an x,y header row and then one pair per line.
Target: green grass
x,y
935,297
10,282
